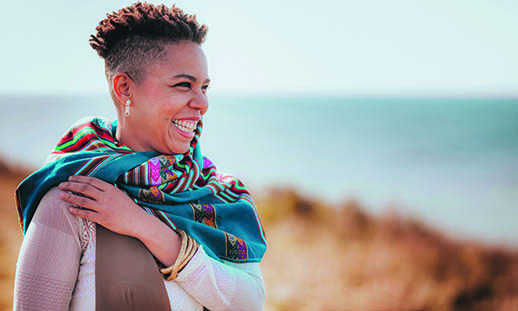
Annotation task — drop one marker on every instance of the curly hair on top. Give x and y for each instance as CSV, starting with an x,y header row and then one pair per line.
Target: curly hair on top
x,y
135,36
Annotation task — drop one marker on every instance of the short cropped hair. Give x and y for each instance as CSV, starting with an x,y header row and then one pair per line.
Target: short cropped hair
x,y
134,37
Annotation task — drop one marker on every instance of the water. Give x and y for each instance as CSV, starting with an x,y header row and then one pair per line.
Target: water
x,y
451,162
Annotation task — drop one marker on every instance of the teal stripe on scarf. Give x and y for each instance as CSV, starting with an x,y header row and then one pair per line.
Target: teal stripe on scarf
x,y
33,188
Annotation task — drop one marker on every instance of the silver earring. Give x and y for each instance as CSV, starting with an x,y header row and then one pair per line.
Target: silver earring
x,y
127,111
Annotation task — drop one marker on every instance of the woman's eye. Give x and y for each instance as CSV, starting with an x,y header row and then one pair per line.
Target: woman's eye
x,y
205,88
183,84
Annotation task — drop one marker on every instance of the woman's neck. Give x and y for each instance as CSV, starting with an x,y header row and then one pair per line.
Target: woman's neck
x,y
125,137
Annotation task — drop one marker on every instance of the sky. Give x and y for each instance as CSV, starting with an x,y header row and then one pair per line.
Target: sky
x,y
295,48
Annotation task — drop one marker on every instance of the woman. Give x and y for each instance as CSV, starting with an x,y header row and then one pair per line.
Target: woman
x,y
128,215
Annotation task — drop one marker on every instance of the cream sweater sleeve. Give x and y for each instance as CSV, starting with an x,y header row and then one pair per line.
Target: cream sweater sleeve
x,y
223,285
48,262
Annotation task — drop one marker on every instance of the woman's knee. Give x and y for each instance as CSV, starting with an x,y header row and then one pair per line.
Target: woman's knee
x,y
133,295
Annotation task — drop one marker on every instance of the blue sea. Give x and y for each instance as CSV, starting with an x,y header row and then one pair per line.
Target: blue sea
x,y
451,162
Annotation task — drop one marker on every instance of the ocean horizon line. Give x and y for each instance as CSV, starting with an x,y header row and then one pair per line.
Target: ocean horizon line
x,y
269,96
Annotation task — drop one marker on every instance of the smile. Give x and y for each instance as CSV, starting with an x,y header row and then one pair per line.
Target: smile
x,y
185,125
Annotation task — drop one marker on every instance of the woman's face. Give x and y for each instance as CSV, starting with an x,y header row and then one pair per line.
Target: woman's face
x,y
166,107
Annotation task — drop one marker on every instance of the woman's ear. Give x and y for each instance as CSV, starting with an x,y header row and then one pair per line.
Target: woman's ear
x,y
121,84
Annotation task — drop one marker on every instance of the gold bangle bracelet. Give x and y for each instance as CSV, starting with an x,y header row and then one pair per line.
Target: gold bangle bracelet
x,y
168,270
189,253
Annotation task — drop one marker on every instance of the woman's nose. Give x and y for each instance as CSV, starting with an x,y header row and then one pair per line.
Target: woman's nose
x,y
200,101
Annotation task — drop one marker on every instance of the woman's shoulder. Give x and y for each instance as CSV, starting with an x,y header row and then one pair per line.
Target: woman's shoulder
x,y
53,213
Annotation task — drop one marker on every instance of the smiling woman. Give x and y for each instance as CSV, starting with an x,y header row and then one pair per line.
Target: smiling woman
x,y
168,104
128,214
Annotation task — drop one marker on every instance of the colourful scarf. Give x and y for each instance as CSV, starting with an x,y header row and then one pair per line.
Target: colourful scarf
x,y
185,191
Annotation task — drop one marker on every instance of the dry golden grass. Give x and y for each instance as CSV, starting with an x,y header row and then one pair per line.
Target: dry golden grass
x,y
341,258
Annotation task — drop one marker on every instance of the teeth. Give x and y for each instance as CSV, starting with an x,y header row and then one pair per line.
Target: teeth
x,y
185,125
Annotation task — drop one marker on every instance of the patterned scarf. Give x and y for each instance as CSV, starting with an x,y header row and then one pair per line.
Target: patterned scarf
x,y
185,191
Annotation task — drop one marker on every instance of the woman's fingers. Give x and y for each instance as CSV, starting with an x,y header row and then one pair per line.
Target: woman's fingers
x,y
105,204
96,196
79,200
82,188
92,181
91,215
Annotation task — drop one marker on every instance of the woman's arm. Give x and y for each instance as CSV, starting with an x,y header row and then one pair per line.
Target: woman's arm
x,y
48,262
223,286
113,209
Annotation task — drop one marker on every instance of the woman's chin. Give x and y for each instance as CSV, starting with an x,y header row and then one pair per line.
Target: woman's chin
x,y
177,148
179,141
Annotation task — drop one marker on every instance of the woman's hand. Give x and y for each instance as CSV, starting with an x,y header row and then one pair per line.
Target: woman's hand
x,y
106,205
113,209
